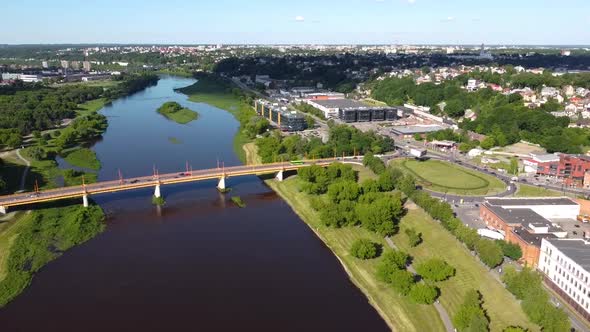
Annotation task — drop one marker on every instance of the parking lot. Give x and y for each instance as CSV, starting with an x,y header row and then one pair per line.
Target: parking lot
x,y
469,215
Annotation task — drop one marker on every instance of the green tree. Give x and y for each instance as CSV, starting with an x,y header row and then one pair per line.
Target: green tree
x,y
435,269
370,186
488,143
414,238
382,215
401,281
397,259
514,329
343,190
471,316
423,293
510,250
489,252
513,166
364,249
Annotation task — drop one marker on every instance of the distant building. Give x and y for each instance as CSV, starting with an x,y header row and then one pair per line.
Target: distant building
x,y
22,77
87,66
527,221
75,65
64,64
286,120
544,164
44,64
565,264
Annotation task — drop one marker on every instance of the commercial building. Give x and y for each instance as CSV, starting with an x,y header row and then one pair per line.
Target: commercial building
x,y
87,66
544,164
27,78
349,110
565,264
527,221
284,119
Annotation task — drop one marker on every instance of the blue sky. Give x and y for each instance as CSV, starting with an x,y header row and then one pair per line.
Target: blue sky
x,y
301,21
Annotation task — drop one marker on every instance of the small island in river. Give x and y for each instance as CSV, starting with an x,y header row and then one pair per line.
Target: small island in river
x,y
175,112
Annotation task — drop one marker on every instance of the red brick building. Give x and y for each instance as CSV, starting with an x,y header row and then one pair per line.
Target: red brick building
x,y
573,168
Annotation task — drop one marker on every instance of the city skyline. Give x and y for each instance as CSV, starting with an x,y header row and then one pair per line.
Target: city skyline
x,y
305,22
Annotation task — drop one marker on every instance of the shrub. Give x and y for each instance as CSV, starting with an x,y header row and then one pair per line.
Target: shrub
x,y
435,269
364,249
423,294
414,238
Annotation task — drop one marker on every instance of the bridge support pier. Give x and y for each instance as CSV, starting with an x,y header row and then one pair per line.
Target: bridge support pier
x,y
157,193
3,209
85,200
221,184
279,176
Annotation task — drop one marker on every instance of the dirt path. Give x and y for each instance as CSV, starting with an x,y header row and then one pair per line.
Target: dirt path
x,y
26,172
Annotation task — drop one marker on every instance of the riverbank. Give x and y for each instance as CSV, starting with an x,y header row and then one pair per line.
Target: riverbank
x,y
30,240
223,95
398,311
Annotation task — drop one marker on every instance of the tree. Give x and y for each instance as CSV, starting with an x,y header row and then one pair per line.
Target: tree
x,y
423,294
382,215
370,186
435,269
414,238
513,166
364,249
343,190
489,252
401,281
397,259
510,250
310,121
37,153
471,316
488,143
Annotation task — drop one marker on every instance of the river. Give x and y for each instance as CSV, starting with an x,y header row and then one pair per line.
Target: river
x,y
199,263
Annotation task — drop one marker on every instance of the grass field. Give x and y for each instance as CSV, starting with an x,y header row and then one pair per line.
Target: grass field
x,y
525,190
502,308
9,228
91,106
442,176
83,158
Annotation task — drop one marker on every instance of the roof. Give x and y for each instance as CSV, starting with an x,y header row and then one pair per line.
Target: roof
x,y
531,238
577,250
408,130
530,201
518,216
545,158
340,103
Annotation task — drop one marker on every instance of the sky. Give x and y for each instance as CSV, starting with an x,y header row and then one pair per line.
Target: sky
x,y
500,22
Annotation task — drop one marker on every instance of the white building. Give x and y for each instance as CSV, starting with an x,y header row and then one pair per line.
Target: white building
x,y
566,265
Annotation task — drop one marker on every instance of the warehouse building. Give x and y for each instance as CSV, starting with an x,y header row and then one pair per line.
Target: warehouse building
x,y
528,221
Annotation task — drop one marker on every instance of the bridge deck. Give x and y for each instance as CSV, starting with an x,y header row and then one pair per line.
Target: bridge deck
x,y
151,181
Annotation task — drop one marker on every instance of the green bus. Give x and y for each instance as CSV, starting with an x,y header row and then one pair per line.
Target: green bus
x,y
297,162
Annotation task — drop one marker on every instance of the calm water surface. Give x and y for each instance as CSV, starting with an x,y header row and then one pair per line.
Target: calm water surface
x,y
199,263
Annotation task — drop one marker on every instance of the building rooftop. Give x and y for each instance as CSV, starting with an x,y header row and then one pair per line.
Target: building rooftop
x,y
341,103
530,201
531,238
545,158
410,130
518,216
577,250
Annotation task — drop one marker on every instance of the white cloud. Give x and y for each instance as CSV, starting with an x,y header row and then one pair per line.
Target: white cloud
x,y
449,19
299,18
411,1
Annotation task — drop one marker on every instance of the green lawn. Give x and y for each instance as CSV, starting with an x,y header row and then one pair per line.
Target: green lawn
x,y
442,176
91,106
181,115
525,190
84,158
9,229
501,307
399,312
